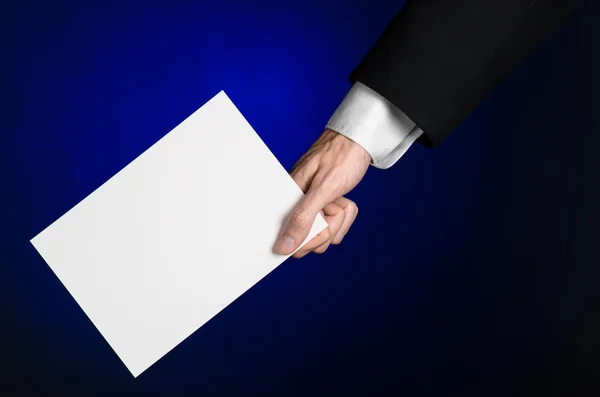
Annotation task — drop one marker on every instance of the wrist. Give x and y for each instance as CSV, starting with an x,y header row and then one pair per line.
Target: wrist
x,y
346,144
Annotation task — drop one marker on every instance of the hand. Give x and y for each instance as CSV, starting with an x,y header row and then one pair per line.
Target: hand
x,y
331,168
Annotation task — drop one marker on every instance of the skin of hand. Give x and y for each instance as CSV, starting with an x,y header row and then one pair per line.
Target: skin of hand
x,y
332,167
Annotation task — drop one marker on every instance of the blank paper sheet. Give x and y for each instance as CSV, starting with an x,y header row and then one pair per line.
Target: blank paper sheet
x,y
175,236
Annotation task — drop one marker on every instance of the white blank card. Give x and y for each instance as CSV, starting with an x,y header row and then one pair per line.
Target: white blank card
x,y
175,236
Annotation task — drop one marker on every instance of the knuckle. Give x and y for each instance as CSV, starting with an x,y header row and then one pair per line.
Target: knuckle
x,y
325,234
320,250
299,218
350,207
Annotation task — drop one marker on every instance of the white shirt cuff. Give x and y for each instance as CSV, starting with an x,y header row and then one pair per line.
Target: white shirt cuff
x,y
373,122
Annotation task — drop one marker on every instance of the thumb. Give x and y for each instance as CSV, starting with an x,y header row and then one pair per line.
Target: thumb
x,y
300,221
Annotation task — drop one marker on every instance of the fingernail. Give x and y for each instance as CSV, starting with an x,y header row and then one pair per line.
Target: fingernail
x,y
285,245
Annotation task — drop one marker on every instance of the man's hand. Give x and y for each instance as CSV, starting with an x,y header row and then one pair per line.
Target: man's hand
x,y
331,168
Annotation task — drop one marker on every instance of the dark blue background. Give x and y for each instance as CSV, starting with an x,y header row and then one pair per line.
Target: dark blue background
x,y
469,271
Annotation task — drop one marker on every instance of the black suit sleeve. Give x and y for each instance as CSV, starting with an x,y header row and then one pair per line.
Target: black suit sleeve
x,y
437,60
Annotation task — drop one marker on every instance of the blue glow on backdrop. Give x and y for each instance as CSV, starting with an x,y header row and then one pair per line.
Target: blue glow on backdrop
x,y
452,279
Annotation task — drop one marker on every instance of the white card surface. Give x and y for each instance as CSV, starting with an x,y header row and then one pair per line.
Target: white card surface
x,y
175,236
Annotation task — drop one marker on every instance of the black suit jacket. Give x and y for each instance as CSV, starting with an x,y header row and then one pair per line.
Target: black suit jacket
x,y
438,59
